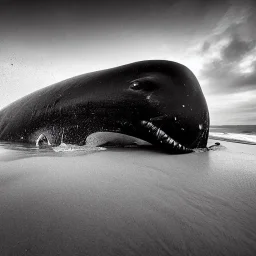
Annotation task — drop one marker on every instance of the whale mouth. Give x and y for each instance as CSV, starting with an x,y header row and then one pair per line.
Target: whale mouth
x,y
164,139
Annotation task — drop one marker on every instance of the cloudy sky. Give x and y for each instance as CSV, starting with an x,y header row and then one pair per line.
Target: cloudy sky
x,y
43,42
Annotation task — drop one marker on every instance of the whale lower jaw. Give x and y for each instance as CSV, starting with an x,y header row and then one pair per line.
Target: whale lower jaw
x,y
113,139
164,139
154,136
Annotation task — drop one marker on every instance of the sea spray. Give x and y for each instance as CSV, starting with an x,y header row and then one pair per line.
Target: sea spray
x,y
63,147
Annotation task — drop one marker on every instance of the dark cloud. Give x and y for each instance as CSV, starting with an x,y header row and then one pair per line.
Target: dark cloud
x,y
205,47
237,49
224,73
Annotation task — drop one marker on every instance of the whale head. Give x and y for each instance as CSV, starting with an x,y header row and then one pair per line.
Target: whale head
x,y
160,102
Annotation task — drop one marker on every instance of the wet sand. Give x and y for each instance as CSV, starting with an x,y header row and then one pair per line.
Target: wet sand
x,y
130,202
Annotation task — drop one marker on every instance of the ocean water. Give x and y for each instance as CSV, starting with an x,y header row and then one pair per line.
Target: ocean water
x,y
234,133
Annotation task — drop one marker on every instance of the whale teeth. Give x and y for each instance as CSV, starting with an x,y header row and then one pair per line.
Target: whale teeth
x,y
159,132
170,141
163,138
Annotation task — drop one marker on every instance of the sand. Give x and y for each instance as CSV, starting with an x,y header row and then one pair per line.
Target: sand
x,y
130,202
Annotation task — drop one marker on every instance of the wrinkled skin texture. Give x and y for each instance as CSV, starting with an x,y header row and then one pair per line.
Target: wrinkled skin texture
x,y
165,93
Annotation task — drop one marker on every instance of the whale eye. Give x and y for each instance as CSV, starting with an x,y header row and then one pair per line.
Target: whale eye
x,y
135,86
143,85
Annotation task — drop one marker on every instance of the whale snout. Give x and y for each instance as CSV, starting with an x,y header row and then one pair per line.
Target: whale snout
x,y
176,133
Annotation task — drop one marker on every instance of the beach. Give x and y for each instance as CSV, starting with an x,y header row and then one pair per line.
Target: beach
x,y
129,201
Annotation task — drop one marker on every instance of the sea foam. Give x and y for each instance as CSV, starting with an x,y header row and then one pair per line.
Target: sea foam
x,y
234,137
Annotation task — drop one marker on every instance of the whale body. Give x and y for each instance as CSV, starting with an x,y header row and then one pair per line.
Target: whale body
x,y
158,101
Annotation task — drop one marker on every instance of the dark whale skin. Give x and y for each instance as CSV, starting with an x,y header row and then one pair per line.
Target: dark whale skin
x,y
164,93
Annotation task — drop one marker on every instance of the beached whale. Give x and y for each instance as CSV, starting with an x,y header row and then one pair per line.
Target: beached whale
x,y
158,101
